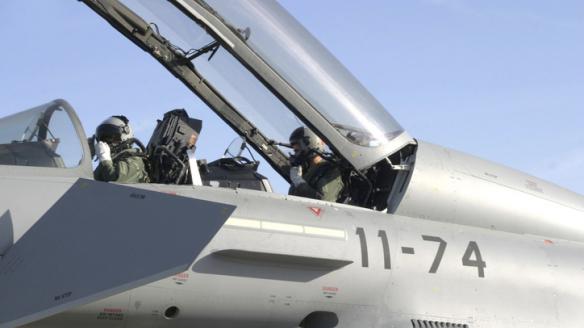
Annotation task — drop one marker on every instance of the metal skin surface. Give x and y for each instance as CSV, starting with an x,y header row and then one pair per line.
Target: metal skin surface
x,y
72,245
528,281
450,186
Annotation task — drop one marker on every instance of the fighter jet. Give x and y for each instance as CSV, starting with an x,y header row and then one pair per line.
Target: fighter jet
x,y
423,236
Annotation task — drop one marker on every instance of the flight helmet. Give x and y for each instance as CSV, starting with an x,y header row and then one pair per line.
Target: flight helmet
x,y
114,131
306,144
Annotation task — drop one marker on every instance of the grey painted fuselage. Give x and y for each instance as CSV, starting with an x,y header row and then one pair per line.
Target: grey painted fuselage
x,y
280,258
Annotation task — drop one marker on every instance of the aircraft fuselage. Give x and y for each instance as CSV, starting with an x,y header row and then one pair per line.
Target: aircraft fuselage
x,y
278,259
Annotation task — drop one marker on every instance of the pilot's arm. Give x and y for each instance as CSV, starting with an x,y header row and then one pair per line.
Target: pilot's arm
x,y
130,169
327,187
330,186
303,189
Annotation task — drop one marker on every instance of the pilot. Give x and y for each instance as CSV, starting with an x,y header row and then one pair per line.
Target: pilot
x,y
118,160
312,175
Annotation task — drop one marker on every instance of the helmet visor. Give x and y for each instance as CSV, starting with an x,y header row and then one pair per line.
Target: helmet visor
x,y
108,133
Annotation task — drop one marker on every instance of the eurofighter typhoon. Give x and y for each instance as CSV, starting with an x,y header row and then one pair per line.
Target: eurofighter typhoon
x,y
420,236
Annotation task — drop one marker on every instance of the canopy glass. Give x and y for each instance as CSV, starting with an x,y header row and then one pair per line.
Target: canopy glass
x,y
311,69
341,110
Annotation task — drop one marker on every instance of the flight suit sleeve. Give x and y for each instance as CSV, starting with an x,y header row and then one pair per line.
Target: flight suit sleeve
x,y
327,188
128,170
106,171
330,186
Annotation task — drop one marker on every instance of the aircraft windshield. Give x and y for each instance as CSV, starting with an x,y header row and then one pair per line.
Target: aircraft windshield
x,y
311,69
44,137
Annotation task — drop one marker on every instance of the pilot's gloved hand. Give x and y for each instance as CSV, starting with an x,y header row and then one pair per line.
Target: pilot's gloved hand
x,y
102,151
296,175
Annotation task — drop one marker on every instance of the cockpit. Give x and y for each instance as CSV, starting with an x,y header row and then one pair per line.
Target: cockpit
x,y
51,137
265,75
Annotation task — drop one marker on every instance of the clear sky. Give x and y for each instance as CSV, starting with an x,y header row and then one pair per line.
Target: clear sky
x,y
500,79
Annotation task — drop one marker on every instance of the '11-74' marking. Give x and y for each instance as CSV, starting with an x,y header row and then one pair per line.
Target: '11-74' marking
x,y
467,258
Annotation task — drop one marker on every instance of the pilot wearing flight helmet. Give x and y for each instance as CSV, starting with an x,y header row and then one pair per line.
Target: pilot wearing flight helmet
x,y
118,161
312,175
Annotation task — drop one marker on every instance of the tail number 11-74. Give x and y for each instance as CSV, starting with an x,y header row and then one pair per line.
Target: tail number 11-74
x,y
472,256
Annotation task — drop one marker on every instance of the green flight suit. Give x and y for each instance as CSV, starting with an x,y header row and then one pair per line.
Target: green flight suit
x,y
323,181
128,168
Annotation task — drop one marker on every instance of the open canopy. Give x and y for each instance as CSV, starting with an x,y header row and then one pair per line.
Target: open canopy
x,y
267,68
309,68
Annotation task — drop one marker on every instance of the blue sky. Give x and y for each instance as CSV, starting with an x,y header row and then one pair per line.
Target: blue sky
x,y
503,80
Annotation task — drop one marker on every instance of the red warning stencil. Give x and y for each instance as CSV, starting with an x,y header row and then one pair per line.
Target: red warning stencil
x,y
315,210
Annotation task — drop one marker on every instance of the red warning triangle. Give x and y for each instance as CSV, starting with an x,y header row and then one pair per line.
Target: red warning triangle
x,y
316,210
